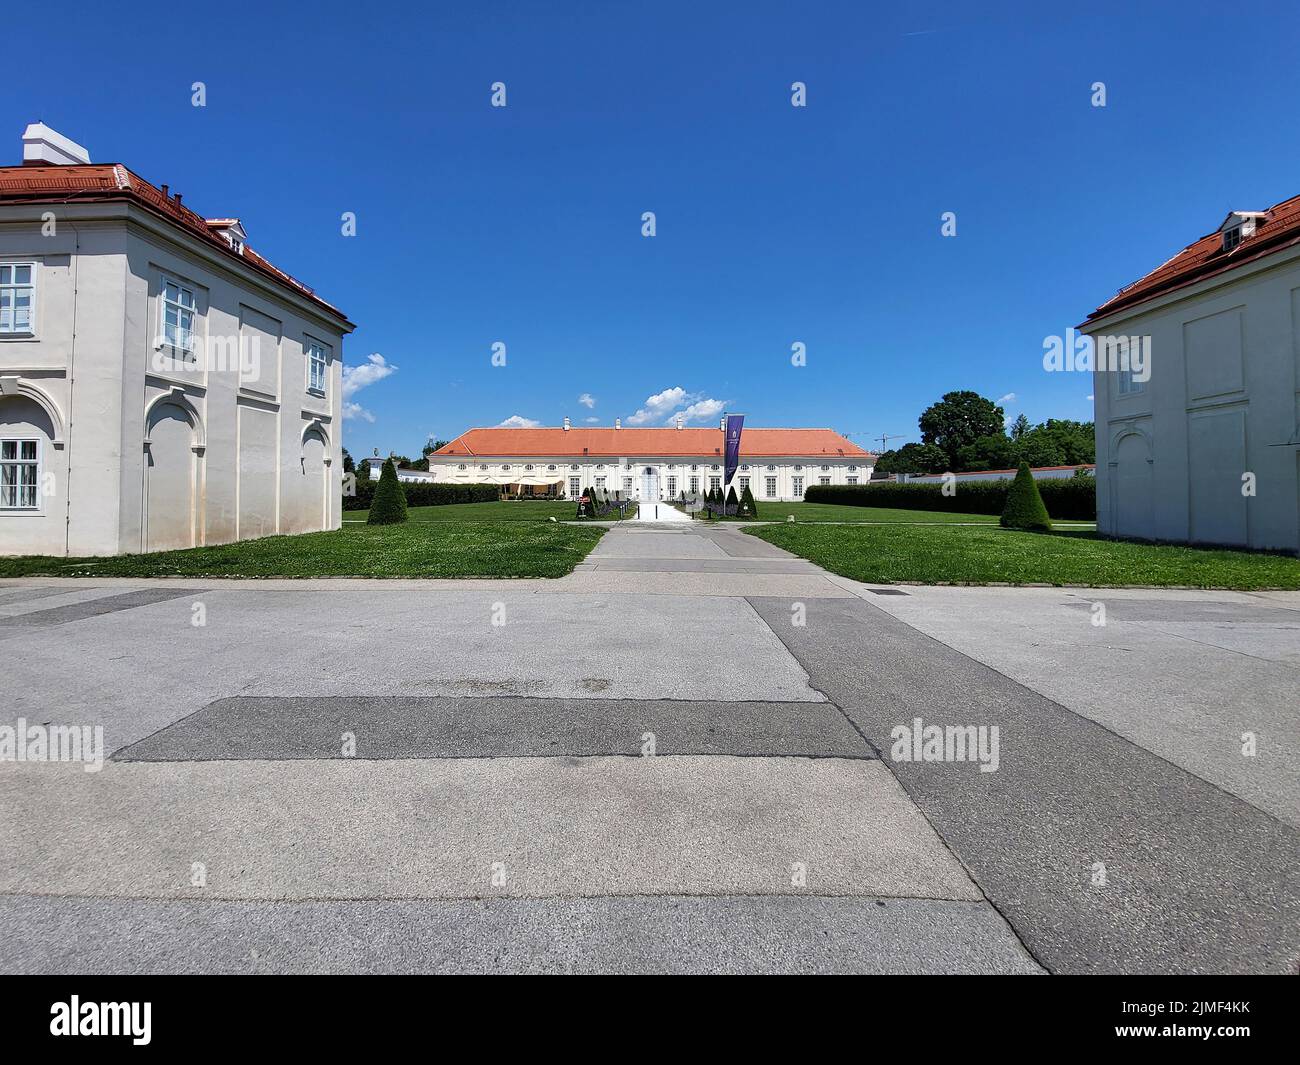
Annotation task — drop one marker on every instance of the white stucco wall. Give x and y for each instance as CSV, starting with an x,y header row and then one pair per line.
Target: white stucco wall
x,y
262,453
1223,400
615,470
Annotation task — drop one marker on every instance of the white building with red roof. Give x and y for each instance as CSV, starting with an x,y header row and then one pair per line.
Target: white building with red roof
x,y
161,384
649,464
1206,448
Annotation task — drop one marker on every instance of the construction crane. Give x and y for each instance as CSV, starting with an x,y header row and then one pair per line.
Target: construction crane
x,y
885,438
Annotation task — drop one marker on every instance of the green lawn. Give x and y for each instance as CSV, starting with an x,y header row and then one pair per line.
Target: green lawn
x,y
814,512
495,511
479,549
881,554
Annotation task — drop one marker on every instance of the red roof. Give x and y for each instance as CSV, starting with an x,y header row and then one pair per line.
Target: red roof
x,y
1206,257
754,443
99,182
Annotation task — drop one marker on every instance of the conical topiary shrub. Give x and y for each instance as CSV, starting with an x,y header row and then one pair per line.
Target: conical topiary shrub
x,y
748,509
1024,509
732,502
389,505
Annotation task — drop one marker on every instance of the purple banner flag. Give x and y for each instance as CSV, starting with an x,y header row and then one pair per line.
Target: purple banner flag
x,y
734,424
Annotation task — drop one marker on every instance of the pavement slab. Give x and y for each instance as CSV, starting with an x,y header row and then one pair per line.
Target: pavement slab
x,y
665,934
1102,855
471,828
137,671
381,727
1184,676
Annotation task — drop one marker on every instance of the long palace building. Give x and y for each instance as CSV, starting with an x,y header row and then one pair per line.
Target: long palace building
x,y
649,464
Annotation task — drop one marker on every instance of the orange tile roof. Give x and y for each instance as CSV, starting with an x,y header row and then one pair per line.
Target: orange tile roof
x,y
545,442
1206,257
99,182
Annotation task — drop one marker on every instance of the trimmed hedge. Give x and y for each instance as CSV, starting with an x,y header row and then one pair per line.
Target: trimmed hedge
x,y
1066,498
1024,509
389,504
422,494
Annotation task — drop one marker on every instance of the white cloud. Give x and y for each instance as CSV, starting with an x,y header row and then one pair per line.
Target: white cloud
x,y
1089,398
1010,397
702,410
518,421
355,378
591,421
587,400
658,405
663,408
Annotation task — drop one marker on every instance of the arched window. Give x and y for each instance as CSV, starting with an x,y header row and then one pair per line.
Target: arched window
x,y
462,466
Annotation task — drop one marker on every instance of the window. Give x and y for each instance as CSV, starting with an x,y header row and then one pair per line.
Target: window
x,y
462,466
826,469
715,482
17,298
505,465
771,487
853,469
575,487
744,482
745,466
672,485
600,483
627,486
529,466
1231,238
798,469
316,360
551,466
851,480
19,473
1128,386
574,466
177,316
823,480
695,486
798,487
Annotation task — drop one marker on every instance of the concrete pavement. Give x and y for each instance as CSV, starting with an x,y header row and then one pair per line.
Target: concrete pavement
x,y
675,759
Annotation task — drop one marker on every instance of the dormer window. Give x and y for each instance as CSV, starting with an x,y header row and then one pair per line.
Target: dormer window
x,y
231,231
1240,225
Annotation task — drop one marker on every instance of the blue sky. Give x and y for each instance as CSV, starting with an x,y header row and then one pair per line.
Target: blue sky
x,y
775,224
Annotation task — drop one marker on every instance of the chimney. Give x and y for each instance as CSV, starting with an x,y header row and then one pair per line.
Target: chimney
x,y
618,423
723,423
566,423
679,421
43,146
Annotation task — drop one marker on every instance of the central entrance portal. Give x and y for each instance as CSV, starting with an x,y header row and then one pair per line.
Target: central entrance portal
x,y
649,485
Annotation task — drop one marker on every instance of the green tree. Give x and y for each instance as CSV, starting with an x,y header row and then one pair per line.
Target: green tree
x,y
1024,507
958,419
348,465
1019,427
992,452
363,471
748,508
913,458
389,505
732,501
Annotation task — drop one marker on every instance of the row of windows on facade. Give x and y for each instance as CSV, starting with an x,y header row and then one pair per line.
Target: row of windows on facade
x,y
692,484
628,466
177,313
